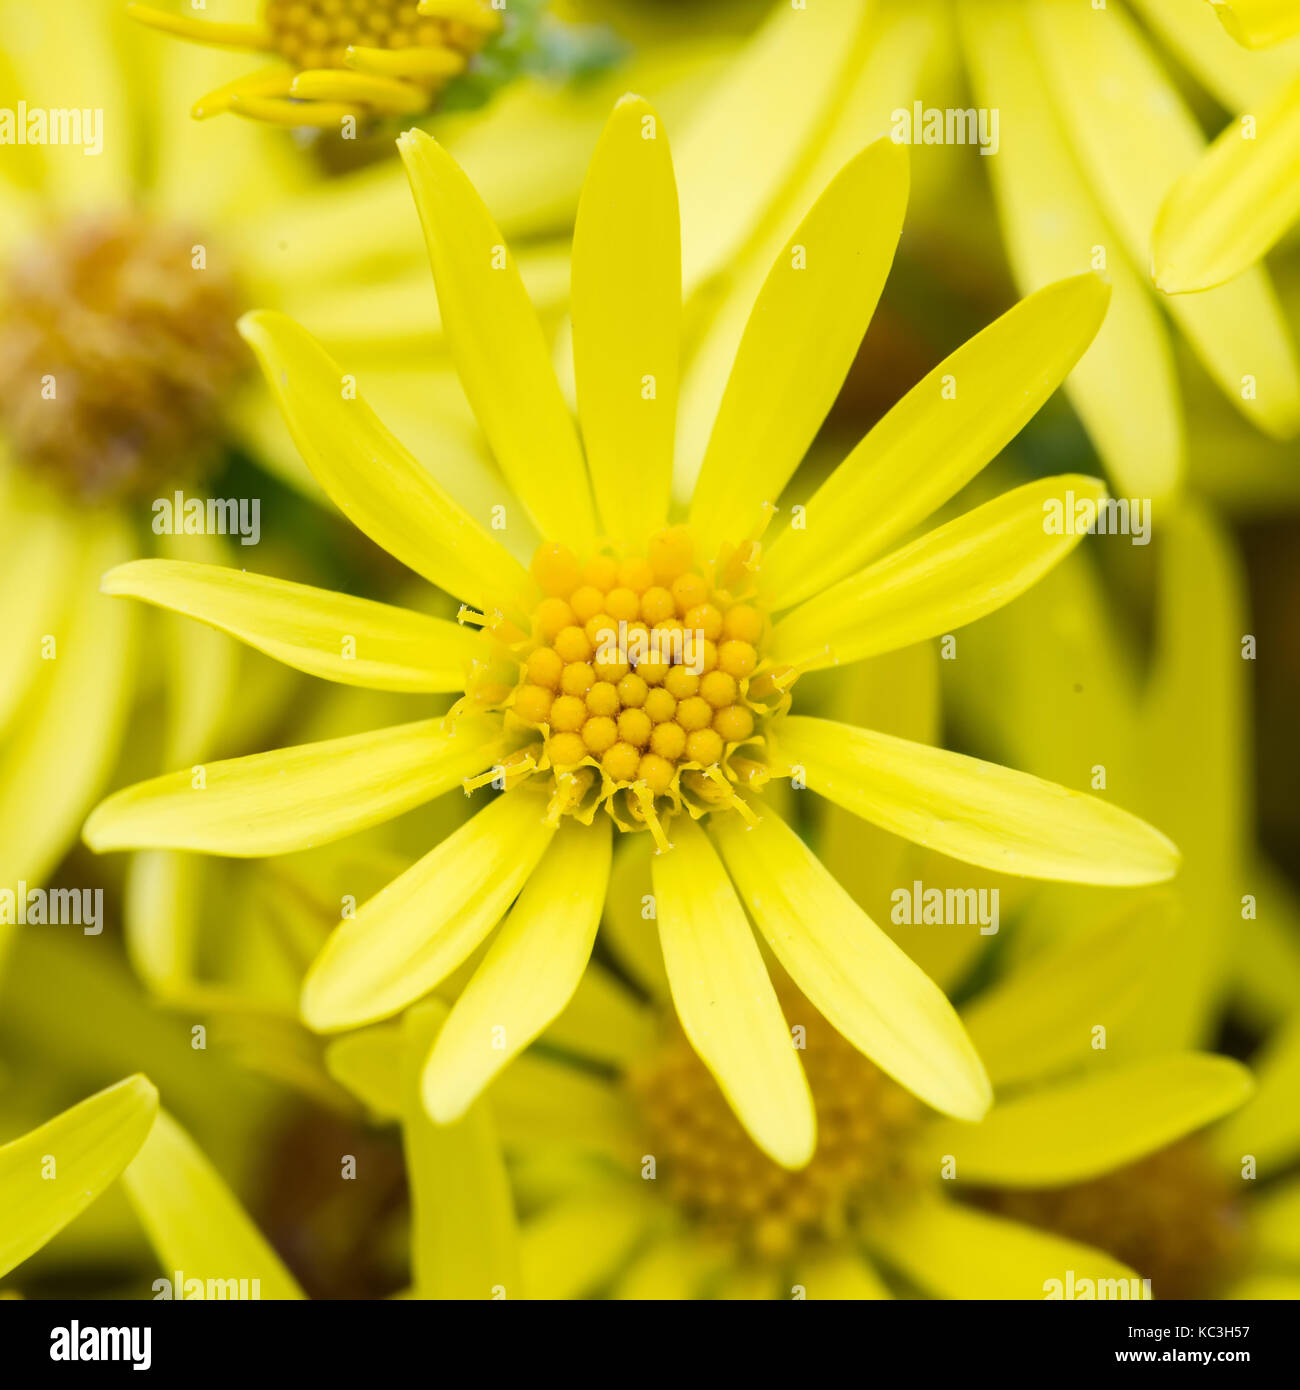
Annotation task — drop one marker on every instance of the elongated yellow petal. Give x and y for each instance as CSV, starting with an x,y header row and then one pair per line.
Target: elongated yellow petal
x,y
369,1064
542,1104
53,1173
973,810
604,1021
464,1241
680,1265
1275,1223
759,127
574,1247
959,1253
867,987
1124,387
820,294
949,577
415,932
351,640
725,1000
39,568
933,442
1258,23
627,311
1038,1019
1235,204
194,1221
294,798
1081,1129
839,1275
1102,72
498,347
629,925
373,481
529,973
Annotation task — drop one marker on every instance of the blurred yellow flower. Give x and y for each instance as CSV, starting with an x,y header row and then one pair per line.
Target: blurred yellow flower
x,y
564,727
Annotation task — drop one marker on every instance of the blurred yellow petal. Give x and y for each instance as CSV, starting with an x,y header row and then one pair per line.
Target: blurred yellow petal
x,y
975,811
1268,1127
629,926
37,573
603,1021
543,1104
1135,136
1275,1223
949,577
820,294
328,634
725,1000
498,347
1235,204
839,1275
418,929
758,127
574,1247
1080,1129
529,973
851,972
1124,387
369,1064
1038,1018
932,443
673,1267
52,1174
464,1240
294,798
1258,23
627,311
369,476
194,1222
958,1253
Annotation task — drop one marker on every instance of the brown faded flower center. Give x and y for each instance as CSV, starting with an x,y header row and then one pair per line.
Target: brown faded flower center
x,y
117,342
313,34
1173,1217
726,1185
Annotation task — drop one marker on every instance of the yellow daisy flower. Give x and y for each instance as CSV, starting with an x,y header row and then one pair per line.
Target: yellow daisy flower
x,y
640,1181
339,62
640,677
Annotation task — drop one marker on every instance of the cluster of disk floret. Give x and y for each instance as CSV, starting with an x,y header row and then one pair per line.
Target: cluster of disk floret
x,y
735,1193
633,690
1173,1216
117,345
315,34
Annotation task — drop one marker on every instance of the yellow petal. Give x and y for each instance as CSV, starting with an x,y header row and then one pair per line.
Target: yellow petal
x,y
464,1241
194,1222
529,973
604,1021
574,1247
498,347
759,127
1269,1126
415,932
1275,1223
351,640
373,481
851,972
674,1267
839,1274
1258,23
629,928
542,1103
1081,1129
294,798
975,811
820,294
1038,1019
369,1064
931,444
949,577
90,1144
958,1253
1135,137
627,301
1124,388
726,1002
1234,205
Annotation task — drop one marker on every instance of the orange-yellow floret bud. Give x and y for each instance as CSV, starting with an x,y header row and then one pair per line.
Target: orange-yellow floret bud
x,y
694,713
737,658
544,667
577,678
635,573
668,740
533,704
733,723
568,714
718,688
552,615
670,553
659,704
704,746
657,603
655,772
556,569
566,749
706,619
634,727
742,623
621,762
599,733
632,691
681,683
573,644
602,698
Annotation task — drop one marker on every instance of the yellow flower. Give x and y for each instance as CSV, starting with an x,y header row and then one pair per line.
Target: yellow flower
x,y
636,1178
758,615
377,58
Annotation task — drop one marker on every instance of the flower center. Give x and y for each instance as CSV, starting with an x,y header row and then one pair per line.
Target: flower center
x,y
1172,1217
314,34
640,687
117,342
729,1187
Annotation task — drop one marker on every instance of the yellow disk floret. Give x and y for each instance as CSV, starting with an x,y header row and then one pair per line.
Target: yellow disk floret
x,y
637,669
